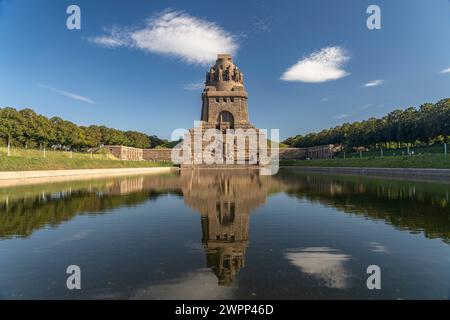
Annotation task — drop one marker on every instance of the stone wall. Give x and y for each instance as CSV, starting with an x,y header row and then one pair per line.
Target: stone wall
x,y
134,154
293,153
319,152
157,154
126,153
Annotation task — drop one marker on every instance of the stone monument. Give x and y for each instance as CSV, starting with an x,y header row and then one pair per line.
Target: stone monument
x,y
224,99
225,109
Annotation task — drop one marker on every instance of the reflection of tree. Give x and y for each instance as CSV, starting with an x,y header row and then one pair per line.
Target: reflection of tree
x,y
415,206
21,216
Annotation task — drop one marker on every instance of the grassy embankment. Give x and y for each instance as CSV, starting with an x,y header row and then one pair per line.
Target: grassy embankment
x,y
437,161
28,159
423,157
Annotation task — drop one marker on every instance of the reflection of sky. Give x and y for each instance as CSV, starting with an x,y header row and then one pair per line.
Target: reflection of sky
x,y
64,240
325,264
198,285
378,247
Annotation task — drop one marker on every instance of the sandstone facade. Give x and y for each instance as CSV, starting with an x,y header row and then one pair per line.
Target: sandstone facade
x,y
157,154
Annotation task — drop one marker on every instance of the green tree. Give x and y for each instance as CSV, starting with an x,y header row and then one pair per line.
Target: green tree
x,y
12,126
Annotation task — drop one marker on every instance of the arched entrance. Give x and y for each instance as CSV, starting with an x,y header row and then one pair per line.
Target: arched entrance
x,y
226,117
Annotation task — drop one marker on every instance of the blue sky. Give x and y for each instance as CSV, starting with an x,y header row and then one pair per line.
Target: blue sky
x,y
132,67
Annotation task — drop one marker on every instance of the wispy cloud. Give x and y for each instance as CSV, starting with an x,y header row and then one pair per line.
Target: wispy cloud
x,y
68,94
115,37
342,116
261,25
373,83
194,86
320,66
173,33
445,71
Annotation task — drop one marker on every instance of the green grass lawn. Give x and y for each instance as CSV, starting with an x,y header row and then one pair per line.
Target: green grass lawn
x,y
417,161
27,160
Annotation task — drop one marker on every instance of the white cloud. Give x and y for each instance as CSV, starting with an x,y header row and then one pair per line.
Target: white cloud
x,y
174,33
68,94
373,83
445,71
342,116
194,86
321,66
323,263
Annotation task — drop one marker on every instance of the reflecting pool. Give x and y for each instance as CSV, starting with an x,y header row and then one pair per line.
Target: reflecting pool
x,y
226,234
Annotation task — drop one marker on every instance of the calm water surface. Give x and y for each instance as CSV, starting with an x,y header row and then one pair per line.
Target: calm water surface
x,y
226,235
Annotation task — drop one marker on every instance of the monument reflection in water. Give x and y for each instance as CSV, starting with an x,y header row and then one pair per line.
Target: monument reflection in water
x,y
225,200
312,236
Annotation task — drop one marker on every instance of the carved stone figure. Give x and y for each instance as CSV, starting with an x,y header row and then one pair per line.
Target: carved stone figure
x,y
212,75
236,74
220,77
229,74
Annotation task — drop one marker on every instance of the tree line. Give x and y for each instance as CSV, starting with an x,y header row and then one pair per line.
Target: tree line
x,y
26,128
425,125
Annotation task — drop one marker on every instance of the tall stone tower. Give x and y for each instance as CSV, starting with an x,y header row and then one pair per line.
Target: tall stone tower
x,y
225,111
224,97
